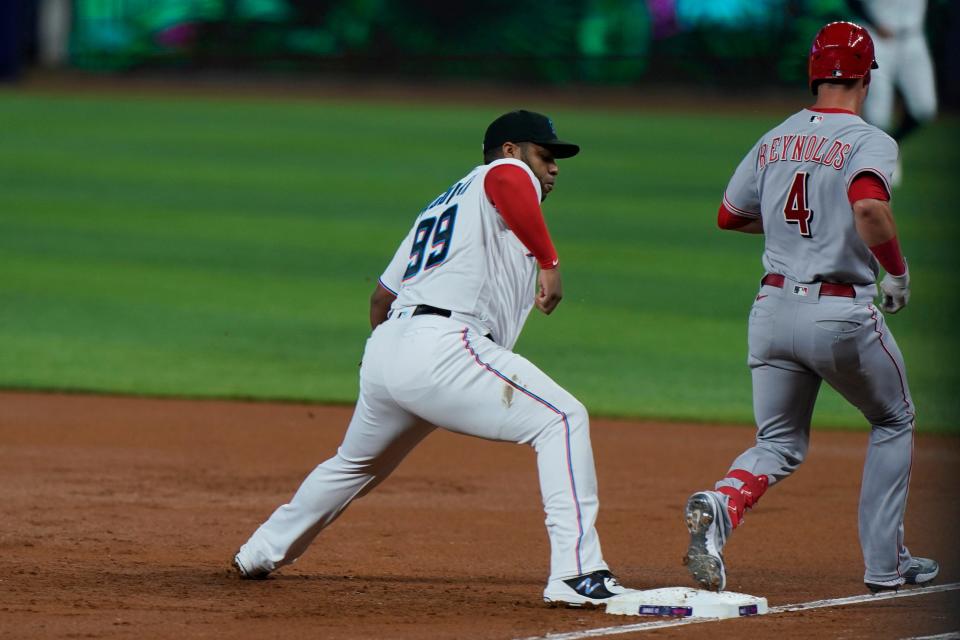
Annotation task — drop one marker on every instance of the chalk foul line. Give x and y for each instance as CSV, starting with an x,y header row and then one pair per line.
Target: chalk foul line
x,y
787,608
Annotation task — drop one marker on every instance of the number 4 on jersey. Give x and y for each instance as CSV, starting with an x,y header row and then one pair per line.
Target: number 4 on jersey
x,y
795,210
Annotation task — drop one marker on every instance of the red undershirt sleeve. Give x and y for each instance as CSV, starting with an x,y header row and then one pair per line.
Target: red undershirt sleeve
x,y
728,220
867,185
509,189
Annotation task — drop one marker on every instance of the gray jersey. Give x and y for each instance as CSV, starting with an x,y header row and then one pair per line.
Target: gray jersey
x,y
796,177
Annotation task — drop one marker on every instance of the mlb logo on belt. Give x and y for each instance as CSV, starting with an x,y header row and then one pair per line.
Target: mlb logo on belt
x,y
800,291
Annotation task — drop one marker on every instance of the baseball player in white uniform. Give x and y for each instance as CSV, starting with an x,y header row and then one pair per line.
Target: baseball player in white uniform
x,y
817,187
445,315
897,30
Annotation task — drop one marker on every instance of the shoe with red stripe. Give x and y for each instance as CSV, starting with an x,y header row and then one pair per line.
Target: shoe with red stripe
x,y
704,516
921,571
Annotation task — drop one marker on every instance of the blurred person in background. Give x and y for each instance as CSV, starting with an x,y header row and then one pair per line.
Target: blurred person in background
x,y
11,46
897,29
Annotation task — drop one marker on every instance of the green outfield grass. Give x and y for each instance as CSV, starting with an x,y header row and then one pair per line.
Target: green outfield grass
x,y
207,247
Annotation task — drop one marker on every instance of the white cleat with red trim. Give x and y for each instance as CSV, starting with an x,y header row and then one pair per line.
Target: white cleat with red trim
x,y
704,559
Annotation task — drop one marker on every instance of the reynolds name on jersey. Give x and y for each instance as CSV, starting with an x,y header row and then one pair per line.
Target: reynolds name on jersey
x,y
803,148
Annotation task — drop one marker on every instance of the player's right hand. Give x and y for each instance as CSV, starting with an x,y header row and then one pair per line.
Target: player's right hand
x,y
551,290
895,291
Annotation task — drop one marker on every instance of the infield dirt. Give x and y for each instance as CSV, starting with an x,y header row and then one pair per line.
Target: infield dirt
x,y
120,517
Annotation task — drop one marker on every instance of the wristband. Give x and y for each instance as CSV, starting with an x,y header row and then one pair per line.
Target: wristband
x,y
889,256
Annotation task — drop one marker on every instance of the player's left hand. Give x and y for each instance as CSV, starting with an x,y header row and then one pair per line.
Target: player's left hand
x,y
551,290
895,291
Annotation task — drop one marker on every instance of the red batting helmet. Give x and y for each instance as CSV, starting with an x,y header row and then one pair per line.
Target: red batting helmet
x,y
841,51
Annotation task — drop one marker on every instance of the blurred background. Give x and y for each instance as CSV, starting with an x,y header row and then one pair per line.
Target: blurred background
x,y
574,41
197,196
624,42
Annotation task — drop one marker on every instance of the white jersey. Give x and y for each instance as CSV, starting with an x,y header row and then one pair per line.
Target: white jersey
x,y
797,176
461,256
899,16
905,63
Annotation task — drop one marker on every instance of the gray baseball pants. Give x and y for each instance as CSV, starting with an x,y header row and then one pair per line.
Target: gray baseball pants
x,y
798,338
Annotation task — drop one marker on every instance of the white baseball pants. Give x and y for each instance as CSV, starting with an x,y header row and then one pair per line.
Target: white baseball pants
x,y
431,369
904,62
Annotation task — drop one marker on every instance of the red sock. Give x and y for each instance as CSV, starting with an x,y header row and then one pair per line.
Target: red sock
x,y
742,499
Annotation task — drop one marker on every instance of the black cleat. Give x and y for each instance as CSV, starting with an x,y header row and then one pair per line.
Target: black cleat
x,y
587,590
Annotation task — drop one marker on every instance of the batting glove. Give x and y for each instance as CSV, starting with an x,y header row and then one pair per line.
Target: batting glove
x,y
895,292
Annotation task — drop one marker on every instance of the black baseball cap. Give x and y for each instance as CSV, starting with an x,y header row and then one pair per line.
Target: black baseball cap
x,y
527,126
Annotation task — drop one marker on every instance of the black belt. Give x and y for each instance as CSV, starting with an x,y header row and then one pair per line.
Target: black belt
x,y
425,310
428,310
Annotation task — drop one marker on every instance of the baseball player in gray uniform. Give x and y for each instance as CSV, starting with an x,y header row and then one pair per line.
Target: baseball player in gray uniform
x,y
817,187
445,315
897,29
